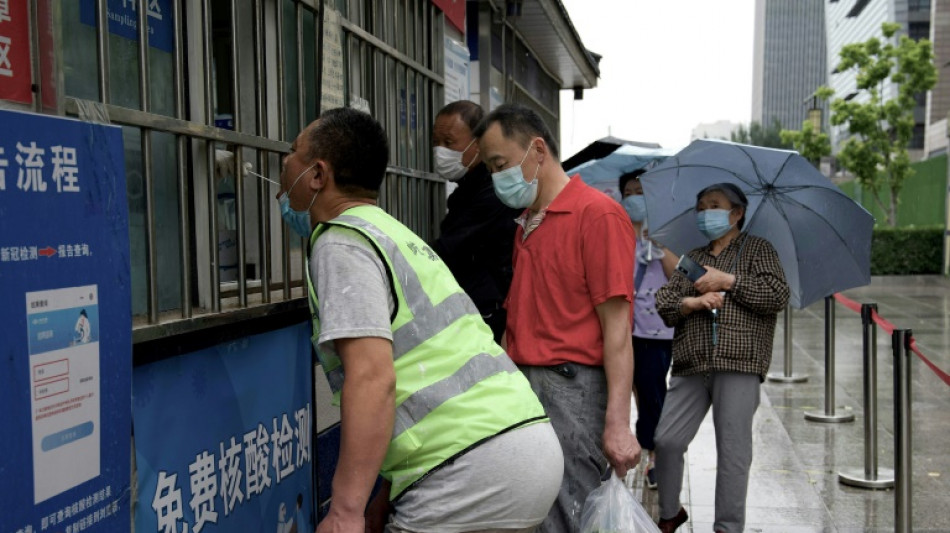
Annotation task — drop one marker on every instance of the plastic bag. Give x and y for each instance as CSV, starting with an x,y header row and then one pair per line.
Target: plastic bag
x,y
611,508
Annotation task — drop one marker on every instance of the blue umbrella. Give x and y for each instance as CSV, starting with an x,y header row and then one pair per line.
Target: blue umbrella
x,y
604,173
823,237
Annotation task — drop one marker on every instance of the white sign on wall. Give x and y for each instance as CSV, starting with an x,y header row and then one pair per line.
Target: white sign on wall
x,y
332,94
457,61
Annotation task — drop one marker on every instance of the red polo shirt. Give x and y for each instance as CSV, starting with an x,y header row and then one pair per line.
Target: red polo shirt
x,y
581,255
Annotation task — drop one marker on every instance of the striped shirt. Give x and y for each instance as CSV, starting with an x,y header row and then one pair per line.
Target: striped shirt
x,y
746,323
530,223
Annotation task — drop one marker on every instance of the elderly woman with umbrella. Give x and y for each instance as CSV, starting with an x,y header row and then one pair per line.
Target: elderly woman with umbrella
x,y
722,346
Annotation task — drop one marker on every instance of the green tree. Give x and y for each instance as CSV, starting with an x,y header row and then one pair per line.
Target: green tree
x,y
879,131
758,135
810,141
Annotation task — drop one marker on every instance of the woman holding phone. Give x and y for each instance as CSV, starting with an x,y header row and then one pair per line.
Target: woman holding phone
x,y
724,324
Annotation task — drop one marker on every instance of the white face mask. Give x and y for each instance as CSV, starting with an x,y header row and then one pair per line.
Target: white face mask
x,y
448,162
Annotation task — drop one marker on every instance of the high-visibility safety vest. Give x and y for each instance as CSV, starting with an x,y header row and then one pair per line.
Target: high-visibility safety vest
x,y
455,387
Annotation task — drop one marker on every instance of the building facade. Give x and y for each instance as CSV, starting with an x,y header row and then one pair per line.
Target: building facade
x,y
853,21
789,61
938,100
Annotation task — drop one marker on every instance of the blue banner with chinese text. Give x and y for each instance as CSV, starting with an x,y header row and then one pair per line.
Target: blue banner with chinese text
x,y
124,21
65,325
223,437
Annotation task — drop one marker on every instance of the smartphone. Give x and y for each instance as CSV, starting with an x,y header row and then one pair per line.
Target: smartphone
x,y
689,268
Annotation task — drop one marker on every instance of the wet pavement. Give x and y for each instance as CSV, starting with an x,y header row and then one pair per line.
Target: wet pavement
x,y
794,485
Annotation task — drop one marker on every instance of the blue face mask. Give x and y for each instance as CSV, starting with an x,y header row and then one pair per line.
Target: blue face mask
x,y
636,206
713,223
512,189
299,221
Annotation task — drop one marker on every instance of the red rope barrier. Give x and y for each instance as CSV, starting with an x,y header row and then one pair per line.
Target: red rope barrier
x,y
889,328
848,302
940,373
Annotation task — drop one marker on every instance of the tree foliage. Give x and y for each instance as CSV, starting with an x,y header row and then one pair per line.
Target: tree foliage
x,y
879,130
758,135
810,141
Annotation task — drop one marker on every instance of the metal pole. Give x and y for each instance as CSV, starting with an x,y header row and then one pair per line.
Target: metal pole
x,y
870,477
151,238
788,376
830,415
102,50
184,185
903,519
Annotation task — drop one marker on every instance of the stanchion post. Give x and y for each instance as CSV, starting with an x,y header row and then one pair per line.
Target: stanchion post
x,y
830,415
903,520
788,376
870,477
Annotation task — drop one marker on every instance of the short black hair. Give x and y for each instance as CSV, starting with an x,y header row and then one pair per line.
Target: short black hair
x,y
519,122
356,147
732,193
470,112
629,176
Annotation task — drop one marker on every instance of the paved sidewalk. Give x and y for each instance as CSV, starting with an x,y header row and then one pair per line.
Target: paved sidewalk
x,y
794,483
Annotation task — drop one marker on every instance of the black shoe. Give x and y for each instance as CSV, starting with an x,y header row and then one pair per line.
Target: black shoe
x,y
669,525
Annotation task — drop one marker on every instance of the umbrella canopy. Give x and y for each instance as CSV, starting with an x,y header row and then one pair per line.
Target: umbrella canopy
x,y
604,173
823,237
601,148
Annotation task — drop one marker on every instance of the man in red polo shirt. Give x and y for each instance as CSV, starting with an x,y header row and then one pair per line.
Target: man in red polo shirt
x,y
569,306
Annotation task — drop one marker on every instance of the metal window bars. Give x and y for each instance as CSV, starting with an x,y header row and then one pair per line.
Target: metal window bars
x,y
376,43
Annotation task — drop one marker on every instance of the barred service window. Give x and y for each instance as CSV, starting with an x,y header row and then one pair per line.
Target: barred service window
x,y
226,89
81,67
233,86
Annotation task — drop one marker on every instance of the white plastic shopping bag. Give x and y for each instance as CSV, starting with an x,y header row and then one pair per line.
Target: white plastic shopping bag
x,y
611,508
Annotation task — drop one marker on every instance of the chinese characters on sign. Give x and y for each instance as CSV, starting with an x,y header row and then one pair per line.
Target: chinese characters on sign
x,y
16,74
32,170
33,253
80,515
269,457
124,20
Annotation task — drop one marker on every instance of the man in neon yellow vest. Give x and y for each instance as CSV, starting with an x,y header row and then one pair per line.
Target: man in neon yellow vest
x,y
427,398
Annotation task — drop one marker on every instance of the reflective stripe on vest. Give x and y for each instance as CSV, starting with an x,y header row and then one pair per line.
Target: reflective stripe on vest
x,y
427,319
425,400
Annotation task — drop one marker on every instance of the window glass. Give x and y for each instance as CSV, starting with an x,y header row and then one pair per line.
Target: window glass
x,y
309,58
167,220
135,188
291,73
80,61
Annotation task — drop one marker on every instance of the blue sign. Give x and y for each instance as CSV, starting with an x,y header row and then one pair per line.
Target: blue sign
x,y
223,437
124,20
65,321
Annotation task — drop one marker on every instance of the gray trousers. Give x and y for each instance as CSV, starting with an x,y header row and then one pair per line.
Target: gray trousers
x,y
577,407
734,398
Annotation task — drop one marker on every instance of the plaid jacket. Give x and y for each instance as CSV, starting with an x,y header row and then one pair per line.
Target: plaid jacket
x,y
746,323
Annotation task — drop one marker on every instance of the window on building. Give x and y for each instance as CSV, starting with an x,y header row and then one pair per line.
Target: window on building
x,y
917,139
918,30
918,5
858,7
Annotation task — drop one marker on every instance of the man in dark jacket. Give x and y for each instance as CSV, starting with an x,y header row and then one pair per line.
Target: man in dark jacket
x,y
477,234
